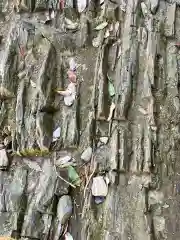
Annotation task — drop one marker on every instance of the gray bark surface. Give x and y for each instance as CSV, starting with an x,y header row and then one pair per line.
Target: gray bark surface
x,y
137,150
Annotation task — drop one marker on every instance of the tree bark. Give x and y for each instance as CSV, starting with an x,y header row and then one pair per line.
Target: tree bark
x,y
137,49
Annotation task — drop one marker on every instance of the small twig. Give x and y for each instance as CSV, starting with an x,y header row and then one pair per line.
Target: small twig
x,y
86,174
84,164
84,206
72,185
94,169
65,229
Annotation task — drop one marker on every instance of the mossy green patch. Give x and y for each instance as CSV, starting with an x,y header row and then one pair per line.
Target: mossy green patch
x,y
32,152
97,232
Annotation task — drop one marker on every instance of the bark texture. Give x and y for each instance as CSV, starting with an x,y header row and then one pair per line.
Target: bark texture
x,y
139,50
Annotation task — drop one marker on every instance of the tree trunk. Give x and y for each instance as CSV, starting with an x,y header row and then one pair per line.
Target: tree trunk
x,y
136,50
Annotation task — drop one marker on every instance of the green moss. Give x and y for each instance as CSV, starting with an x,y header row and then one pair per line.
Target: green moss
x,y
96,226
97,232
32,152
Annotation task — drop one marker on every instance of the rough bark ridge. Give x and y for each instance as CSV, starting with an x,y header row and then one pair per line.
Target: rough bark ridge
x,y
138,49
